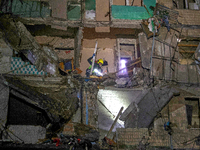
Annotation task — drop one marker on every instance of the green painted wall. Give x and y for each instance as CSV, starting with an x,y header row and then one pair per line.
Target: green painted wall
x,y
74,13
32,9
132,12
90,4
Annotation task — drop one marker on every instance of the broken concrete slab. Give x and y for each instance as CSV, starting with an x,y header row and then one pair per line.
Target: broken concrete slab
x,y
20,40
24,133
133,105
144,51
47,98
4,94
152,101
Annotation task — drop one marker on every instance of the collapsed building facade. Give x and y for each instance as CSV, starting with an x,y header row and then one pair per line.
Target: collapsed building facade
x,y
152,77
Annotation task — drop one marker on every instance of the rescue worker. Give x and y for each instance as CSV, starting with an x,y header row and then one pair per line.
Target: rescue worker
x,y
167,127
97,70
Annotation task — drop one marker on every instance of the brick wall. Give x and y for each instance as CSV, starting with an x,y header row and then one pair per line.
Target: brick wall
x,y
131,136
181,133
188,16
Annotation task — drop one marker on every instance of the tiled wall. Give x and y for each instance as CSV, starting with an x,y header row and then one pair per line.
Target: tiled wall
x,y
18,66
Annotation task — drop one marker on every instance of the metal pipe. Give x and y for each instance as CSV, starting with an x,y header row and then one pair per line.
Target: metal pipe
x,y
81,101
86,108
152,50
186,4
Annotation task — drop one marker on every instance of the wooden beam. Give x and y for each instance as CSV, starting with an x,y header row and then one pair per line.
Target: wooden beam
x,y
117,23
187,45
115,121
182,51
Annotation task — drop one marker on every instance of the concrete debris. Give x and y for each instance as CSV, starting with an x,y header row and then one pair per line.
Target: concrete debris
x,y
79,129
140,77
121,82
21,40
109,82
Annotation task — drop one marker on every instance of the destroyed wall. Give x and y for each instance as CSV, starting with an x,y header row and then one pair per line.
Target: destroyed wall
x,y
183,136
61,91
141,113
189,18
163,61
9,130
132,138
55,98
42,57
64,48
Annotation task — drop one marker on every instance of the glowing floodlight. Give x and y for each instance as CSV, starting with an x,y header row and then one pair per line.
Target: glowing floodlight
x,y
97,72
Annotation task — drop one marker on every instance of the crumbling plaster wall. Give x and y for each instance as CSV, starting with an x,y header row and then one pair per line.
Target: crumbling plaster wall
x,y
178,117
59,45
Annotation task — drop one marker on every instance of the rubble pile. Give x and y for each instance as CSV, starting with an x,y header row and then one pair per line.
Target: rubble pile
x,y
139,78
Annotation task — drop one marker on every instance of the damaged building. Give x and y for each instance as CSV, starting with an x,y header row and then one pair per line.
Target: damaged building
x,y
145,95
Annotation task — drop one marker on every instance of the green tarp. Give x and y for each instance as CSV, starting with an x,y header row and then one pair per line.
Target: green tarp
x,y
133,12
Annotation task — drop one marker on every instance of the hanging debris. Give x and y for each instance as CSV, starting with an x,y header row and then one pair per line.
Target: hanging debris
x,y
19,38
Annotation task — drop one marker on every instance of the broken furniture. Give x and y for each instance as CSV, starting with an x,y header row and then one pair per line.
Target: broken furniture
x,y
67,66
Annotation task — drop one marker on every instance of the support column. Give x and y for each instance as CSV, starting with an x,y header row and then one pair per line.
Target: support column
x,y
77,44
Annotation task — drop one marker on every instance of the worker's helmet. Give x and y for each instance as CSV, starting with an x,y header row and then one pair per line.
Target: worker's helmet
x,y
100,61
